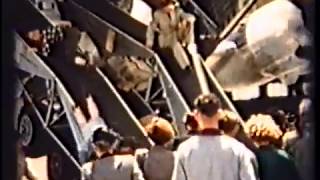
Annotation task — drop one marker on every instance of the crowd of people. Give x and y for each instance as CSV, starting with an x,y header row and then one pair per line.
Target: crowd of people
x,y
218,146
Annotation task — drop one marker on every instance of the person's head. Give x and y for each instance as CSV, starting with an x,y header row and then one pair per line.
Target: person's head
x,y
229,123
207,111
104,142
263,130
128,146
190,123
159,130
279,116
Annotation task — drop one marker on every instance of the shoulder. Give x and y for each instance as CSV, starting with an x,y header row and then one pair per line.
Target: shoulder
x,y
188,142
231,141
186,146
237,147
123,161
126,157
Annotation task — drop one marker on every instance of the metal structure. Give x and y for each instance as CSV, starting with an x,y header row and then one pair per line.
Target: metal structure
x,y
186,81
126,45
28,62
55,78
48,86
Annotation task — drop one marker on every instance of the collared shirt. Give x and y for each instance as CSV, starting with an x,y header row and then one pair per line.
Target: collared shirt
x,y
219,157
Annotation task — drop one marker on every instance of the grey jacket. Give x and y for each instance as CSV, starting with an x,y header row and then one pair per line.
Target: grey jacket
x,y
118,167
214,157
159,164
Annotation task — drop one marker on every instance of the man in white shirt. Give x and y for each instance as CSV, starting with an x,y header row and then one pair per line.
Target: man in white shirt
x,y
209,154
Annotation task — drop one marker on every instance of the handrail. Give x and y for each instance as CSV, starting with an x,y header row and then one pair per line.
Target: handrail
x,y
105,78
150,51
198,11
75,162
62,91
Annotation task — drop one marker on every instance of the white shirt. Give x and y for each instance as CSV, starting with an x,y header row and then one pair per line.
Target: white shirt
x,y
214,157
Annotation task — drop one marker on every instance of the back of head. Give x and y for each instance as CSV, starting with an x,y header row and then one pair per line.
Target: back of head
x,y
263,129
104,141
279,116
207,104
159,129
229,123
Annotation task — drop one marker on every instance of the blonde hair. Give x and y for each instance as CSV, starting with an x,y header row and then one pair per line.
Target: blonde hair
x,y
262,128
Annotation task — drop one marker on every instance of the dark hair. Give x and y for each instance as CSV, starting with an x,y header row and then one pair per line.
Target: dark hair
x,y
285,120
102,146
103,140
207,104
190,123
279,116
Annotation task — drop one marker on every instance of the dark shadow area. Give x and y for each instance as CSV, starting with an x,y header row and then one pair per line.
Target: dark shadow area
x,y
8,137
